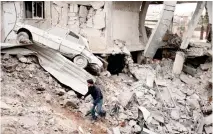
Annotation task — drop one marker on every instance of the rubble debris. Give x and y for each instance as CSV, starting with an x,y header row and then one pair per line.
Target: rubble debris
x,y
116,130
186,79
48,98
189,70
126,98
146,114
3,105
175,114
195,52
60,92
208,129
205,66
150,80
22,59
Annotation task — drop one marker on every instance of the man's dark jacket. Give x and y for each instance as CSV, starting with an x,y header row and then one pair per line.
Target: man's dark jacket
x,y
95,93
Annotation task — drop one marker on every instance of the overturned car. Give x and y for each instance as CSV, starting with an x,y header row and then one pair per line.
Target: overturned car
x,y
68,43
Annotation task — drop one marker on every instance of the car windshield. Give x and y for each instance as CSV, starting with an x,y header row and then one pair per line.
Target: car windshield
x,y
57,31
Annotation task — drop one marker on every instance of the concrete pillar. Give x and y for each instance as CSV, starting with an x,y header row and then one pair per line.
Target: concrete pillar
x,y
178,64
161,28
142,17
192,24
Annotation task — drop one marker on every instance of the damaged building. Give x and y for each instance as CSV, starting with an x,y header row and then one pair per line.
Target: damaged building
x,y
156,76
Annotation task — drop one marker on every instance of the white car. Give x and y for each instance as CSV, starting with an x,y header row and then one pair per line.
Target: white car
x,y
68,43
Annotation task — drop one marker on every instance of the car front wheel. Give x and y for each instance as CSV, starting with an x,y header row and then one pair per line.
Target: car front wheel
x,y
80,61
23,38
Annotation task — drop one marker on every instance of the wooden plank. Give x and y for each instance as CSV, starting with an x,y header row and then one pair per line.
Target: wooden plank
x,y
160,29
192,24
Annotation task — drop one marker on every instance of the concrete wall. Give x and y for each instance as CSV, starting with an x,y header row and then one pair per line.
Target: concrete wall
x,y
100,22
125,23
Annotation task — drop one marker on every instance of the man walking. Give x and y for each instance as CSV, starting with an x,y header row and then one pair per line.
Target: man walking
x,y
97,96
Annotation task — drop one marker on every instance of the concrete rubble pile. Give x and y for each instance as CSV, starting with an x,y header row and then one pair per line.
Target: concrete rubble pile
x,y
169,104
158,102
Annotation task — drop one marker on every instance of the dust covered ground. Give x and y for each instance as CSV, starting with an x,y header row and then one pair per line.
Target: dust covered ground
x,y
33,102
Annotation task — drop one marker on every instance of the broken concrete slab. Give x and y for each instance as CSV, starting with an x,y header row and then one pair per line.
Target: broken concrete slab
x,y
195,52
146,114
97,4
175,114
186,79
199,44
178,64
125,98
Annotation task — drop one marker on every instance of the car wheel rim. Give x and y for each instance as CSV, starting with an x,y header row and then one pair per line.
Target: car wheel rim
x,y
80,61
21,36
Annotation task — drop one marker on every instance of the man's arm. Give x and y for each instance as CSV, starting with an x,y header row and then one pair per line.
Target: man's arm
x,y
87,94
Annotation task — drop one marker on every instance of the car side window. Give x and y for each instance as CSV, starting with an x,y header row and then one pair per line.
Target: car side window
x,y
71,36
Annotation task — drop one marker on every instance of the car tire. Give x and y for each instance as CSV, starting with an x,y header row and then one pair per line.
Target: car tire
x,y
22,35
80,61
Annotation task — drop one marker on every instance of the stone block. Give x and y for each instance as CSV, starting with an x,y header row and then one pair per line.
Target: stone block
x,y
178,64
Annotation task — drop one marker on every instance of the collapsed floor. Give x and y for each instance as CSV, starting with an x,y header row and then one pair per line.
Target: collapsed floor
x,y
169,104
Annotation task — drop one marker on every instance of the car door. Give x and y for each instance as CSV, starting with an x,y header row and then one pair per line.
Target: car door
x,y
54,37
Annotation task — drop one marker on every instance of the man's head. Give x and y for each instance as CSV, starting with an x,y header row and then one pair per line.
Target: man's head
x,y
90,82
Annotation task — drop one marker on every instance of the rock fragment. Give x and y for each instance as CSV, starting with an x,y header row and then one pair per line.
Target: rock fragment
x,y
116,130
60,91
